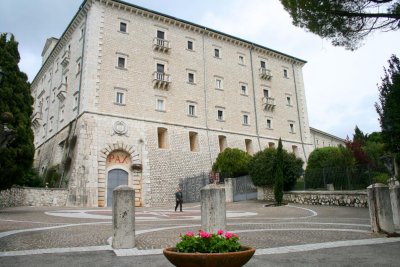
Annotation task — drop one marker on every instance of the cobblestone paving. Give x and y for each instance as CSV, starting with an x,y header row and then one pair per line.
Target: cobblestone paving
x,y
266,227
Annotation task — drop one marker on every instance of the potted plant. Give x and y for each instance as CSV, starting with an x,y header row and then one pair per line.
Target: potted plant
x,y
208,250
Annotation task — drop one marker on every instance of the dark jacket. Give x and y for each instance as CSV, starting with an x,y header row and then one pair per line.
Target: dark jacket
x,y
179,196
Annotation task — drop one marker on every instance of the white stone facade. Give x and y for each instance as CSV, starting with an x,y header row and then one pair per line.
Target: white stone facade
x,y
100,105
321,139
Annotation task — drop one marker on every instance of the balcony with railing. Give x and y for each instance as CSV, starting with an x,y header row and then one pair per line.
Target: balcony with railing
x,y
36,119
161,45
268,103
65,58
161,80
62,91
265,74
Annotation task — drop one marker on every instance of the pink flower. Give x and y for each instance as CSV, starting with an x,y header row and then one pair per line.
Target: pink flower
x,y
220,232
204,234
228,235
191,234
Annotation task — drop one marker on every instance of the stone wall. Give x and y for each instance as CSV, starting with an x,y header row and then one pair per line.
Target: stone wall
x,y
27,196
326,198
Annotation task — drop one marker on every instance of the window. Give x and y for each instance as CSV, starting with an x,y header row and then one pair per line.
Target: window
x,y
295,150
160,35
218,83
51,123
289,100
121,62
243,89
266,93
285,73
78,68
122,27
191,110
194,141
245,119
241,59
162,134
222,142
262,64
220,115
216,52
190,45
291,126
160,105
191,77
160,68
269,124
249,146
76,100
61,114
119,98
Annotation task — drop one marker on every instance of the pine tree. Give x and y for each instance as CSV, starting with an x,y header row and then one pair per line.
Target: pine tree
x,y
16,157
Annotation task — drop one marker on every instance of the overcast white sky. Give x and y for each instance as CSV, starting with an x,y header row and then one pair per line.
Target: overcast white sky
x,y
341,86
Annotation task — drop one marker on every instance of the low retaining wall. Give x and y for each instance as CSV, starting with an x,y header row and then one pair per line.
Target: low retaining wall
x,y
30,196
328,198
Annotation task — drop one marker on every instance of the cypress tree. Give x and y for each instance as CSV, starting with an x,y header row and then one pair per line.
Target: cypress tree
x,y
278,185
17,156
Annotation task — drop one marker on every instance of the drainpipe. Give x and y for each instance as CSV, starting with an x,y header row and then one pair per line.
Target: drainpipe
x,y
205,95
254,97
79,93
298,114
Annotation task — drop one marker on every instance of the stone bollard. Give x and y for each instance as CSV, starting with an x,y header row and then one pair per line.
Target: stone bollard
x,y
123,217
213,212
380,209
229,189
395,200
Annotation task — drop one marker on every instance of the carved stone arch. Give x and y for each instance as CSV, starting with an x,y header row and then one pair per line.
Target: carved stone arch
x,y
102,169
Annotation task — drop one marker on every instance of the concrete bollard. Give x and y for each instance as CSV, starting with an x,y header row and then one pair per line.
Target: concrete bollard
x,y
213,212
123,217
395,201
229,189
380,209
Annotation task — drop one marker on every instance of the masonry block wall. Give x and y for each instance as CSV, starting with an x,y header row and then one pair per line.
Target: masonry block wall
x,y
134,87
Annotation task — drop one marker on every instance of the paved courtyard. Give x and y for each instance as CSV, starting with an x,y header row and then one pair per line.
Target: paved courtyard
x,y
292,235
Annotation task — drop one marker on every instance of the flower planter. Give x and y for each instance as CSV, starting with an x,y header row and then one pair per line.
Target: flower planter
x,y
228,259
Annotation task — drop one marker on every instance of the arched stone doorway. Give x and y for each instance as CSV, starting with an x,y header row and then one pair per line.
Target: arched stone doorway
x,y
118,163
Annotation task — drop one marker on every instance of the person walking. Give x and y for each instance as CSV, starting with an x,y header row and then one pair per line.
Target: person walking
x,y
179,198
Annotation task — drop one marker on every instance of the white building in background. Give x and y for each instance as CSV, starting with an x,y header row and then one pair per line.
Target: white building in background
x,y
321,139
131,96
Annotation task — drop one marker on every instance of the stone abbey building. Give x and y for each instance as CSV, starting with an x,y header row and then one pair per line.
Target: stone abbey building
x,y
131,96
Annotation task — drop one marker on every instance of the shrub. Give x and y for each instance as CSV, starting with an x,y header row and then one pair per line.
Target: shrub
x,y
261,168
232,162
208,243
33,179
381,178
329,163
52,176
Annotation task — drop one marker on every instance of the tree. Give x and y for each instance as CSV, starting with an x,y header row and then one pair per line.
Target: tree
x,y
16,158
262,168
232,162
356,146
278,185
328,164
388,107
346,23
